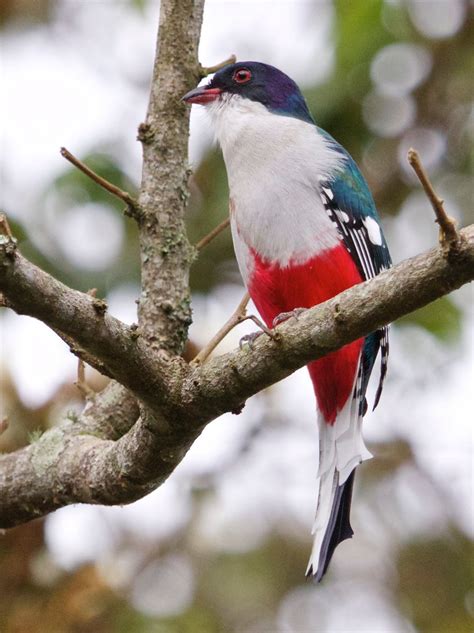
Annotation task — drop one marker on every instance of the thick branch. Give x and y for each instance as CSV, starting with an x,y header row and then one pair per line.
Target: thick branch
x,y
66,467
111,415
166,255
52,465
224,383
103,341
164,312
107,455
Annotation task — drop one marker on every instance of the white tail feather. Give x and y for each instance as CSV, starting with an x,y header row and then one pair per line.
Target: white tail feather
x,y
341,449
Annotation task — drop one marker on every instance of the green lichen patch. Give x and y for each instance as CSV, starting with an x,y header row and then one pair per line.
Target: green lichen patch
x,y
47,450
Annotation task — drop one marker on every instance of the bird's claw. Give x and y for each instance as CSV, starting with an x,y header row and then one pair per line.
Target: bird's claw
x,y
283,316
249,339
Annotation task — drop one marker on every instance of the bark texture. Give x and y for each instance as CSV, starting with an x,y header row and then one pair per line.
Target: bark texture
x,y
166,255
106,457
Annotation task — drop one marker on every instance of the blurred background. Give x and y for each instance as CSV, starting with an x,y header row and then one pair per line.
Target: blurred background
x,y
223,545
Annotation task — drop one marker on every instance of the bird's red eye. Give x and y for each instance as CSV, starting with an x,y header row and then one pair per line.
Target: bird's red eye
x,y
242,76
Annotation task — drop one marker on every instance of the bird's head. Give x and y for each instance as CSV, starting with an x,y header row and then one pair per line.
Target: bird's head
x,y
255,81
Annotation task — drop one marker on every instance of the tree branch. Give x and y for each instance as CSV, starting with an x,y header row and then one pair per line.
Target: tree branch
x,y
164,311
106,343
448,233
111,415
237,317
212,234
3,425
81,383
166,255
53,463
109,454
102,182
66,466
208,70
225,382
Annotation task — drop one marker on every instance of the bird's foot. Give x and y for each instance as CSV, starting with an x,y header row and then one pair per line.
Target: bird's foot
x,y
283,316
250,339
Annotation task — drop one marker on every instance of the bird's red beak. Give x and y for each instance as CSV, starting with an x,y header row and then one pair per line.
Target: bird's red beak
x,y
202,95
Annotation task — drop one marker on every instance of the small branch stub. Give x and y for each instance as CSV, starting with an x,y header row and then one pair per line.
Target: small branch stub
x,y
134,331
449,235
145,133
204,71
3,425
100,306
7,241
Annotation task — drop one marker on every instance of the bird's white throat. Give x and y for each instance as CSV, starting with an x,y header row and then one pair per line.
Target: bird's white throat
x,y
274,167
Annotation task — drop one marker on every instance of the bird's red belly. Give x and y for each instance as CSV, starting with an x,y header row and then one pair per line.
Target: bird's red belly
x,y
275,290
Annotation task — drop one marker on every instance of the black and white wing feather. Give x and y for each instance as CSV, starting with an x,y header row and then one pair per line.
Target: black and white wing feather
x,y
350,206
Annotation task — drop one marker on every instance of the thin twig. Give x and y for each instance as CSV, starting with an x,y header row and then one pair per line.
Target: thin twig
x,y
237,317
81,382
7,240
105,184
210,236
5,228
449,235
204,71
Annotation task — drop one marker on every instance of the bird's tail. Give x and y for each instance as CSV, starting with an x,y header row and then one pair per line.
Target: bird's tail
x,y
342,448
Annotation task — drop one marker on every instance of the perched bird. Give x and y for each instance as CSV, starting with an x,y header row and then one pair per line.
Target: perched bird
x,y
305,228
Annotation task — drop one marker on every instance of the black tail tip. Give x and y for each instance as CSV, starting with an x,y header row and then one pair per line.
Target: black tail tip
x,y
339,529
314,575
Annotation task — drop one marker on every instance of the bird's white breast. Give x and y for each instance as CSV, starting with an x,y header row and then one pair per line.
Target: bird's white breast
x,y
274,165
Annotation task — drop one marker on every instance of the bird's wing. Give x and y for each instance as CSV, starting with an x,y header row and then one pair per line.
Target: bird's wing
x,y
349,204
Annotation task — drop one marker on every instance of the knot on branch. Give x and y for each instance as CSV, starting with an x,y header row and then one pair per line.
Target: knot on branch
x,y
339,316
135,331
145,133
100,306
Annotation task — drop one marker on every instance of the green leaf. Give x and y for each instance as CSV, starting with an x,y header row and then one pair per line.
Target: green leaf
x,y
359,31
442,318
138,5
434,581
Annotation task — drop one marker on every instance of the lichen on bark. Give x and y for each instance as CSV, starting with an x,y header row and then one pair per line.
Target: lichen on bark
x,y
165,306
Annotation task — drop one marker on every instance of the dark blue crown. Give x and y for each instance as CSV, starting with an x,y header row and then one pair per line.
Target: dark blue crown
x,y
267,85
